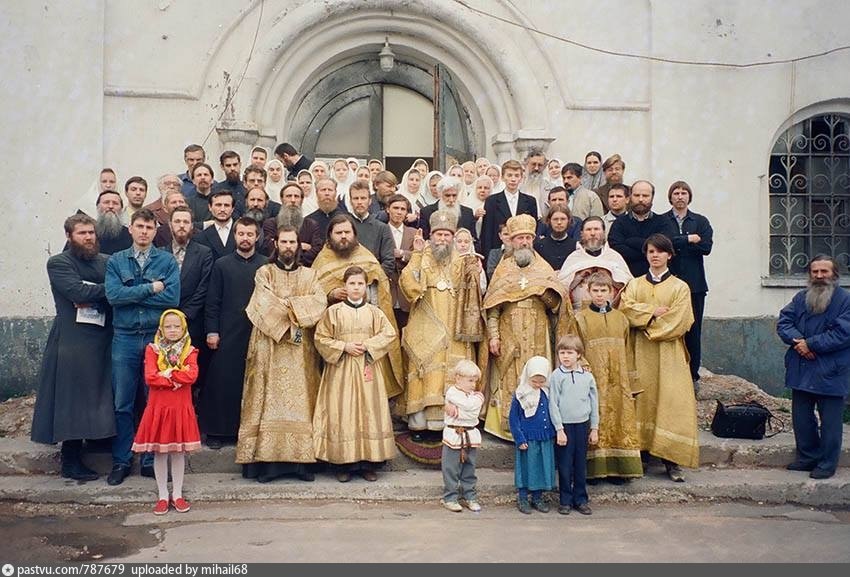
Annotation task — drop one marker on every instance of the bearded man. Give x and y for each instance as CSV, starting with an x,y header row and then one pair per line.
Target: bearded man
x,y
291,214
74,399
534,183
445,324
282,370
524,312
816,327
112,235
592,255
342,250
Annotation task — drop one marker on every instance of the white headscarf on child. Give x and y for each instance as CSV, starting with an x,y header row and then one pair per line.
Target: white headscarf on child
x,y
526,394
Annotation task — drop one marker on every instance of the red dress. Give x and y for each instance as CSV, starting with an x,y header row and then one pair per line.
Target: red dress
x,y
169,424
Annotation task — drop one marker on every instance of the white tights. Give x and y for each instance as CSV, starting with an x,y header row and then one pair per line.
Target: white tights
x,y
160,470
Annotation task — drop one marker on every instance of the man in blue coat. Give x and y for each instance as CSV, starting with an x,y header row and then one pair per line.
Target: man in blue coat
x,y
816,325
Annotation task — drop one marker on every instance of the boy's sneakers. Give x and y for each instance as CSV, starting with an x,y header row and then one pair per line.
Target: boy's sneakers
x,y
180,505
453,506
523,506
161,507
473,506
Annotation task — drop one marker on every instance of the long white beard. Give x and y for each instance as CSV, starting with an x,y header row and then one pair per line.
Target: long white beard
x,y
819,296
523,257
442,253
108,225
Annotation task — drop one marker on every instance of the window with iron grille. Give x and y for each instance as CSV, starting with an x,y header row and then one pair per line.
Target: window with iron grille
x,y
810,194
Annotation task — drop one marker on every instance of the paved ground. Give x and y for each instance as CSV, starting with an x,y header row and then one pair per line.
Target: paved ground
x,y
410,532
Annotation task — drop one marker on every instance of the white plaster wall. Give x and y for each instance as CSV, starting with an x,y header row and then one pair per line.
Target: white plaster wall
x,y
52,96
166,68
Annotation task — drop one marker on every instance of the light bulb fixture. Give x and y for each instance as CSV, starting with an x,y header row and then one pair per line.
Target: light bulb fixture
x,y
386,56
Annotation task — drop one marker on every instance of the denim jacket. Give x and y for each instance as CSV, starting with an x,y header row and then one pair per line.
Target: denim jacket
x,y
129,289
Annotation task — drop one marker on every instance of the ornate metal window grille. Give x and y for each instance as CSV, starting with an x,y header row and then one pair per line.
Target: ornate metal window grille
x,y
810,194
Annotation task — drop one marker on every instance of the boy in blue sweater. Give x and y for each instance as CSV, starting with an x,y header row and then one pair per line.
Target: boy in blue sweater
x,y
574,408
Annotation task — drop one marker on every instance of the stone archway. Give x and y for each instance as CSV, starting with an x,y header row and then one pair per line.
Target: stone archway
x,y
488,70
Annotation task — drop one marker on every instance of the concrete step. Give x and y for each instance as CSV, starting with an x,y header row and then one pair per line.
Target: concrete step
x,y
495,487
23,457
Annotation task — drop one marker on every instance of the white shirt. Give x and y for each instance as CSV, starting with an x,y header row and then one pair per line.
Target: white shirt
x,y
513,200
468,406
397,234
659,277
223,231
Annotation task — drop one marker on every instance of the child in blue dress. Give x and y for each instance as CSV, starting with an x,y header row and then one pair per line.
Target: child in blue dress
x,y
533,433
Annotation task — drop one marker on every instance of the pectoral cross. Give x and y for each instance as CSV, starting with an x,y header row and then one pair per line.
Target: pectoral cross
x,y
523,282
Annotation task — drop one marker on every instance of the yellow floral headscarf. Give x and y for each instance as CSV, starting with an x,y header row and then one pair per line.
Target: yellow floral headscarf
x,y
172,354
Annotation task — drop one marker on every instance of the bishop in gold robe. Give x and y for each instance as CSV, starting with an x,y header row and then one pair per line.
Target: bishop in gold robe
x,y
446,322
282,371
524,315
658,306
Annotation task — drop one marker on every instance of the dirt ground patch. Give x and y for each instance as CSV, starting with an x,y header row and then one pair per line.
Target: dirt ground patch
x,y
36,533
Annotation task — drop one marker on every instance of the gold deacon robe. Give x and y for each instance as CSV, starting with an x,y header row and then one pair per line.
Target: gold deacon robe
x,y
282,370
330,269
352,418
607,348
518,305
666,409
446,325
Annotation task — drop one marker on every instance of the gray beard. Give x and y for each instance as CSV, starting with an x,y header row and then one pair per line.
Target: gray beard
x,y
290,216
442,253
819,296
593,245
108,225
255,214
523,257
453,210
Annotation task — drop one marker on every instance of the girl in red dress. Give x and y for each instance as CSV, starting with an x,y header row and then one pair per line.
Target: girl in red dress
x,y
169,424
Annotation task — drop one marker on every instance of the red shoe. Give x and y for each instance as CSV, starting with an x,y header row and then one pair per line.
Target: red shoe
x,y
161,507
181,505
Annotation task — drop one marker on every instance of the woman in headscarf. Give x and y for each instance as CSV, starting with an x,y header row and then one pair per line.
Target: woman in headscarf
x,y
469,175
353,164
363,173
593,177
421,165
308,192
411,187
552,178
494,171
341,173
429,194
319,169
481,165
482,188
275,181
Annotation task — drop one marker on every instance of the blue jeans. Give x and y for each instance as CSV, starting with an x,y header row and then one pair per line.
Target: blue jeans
x,y
818,447
572,465
128,357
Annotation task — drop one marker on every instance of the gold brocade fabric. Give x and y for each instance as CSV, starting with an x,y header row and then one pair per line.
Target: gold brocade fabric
x,y
330,269
429,340
666,409
281,376
352,422
606,348
521,299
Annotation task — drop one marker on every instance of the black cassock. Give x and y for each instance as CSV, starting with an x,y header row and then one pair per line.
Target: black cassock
x,y
230,289
75,383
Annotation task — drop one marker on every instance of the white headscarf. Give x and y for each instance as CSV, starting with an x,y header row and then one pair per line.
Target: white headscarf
x,y
497,186
272,187
413,198
342,187
425,197
526,394
309,203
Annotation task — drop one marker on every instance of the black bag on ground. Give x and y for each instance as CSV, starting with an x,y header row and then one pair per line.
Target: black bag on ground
x,y
744,421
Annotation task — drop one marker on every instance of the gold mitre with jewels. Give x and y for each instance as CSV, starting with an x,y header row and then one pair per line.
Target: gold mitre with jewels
x,y
443,220
522,224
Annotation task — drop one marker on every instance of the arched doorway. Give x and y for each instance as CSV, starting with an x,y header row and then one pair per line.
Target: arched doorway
x,y
411,111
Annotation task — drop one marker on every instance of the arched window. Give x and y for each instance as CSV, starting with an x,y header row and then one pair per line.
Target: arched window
x,y
810,194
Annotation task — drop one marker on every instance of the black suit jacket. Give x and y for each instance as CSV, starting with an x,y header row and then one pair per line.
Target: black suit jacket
x,y
467,221
688,263
497,212
209,237
194,280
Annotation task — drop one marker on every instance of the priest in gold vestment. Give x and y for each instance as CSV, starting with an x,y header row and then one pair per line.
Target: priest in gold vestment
x,y
658,306
341,251
446,323
524,316
282,371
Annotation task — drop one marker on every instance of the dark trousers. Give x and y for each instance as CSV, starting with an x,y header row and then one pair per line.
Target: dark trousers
x,y
821,448
459,479
128,354
572,465
693,338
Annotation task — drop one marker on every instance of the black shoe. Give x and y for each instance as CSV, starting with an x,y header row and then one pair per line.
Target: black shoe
x,y
307,476
540,504
818,473
78,472
564,509
214,443
417,437
118,474
584,509
801,466
523,506
147,471
619,480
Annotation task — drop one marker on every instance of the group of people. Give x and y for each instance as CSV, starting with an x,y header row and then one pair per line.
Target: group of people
x,y
305,315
